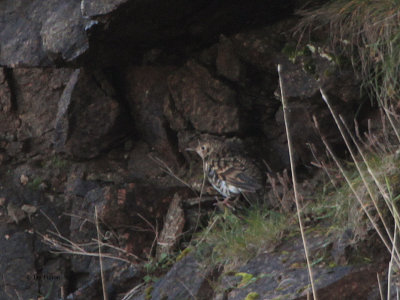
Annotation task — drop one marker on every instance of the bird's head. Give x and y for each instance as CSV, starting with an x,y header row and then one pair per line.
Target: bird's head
x,y
203,149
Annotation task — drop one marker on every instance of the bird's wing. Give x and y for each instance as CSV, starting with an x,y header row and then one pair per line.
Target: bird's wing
x,y
242,181
235,175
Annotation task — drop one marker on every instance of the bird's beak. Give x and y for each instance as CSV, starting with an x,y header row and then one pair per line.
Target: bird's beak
x,y
190,149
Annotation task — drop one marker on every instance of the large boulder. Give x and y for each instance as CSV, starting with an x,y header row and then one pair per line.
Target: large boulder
x,y
90,119
54,30
203,101
29,99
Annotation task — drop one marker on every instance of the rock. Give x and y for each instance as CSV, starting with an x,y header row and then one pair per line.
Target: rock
x,y
92,8
203,101
283,274
81,187
17,265
173,228
228,63
63,33
135,205
261,47
29,209
140,165
90,119
342,246
53,278
300,88
134,28
186,280
117,275
24,179
59,32
29,113
82,232
55,29
15,213
5,91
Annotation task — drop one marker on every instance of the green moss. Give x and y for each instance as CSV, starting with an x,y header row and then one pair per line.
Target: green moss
x,y
246,279
289,50
148,291
332,264
302,289
35,183
184,253
56,162
309,67
252,296
311,48
329,72
293,52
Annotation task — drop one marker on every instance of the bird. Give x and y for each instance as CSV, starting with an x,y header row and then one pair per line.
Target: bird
x,y
229,171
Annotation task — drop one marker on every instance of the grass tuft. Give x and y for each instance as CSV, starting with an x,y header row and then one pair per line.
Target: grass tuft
x,y
234,240
368,32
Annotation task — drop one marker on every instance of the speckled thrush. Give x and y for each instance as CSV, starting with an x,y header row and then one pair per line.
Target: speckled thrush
x,y
229,172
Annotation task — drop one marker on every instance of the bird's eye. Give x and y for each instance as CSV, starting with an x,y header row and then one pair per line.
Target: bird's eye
x,y
203,148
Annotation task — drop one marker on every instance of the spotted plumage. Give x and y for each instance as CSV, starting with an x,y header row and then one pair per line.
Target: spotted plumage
x,y
229,172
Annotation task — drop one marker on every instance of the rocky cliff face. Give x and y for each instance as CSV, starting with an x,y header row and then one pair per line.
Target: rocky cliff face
x,y
99,99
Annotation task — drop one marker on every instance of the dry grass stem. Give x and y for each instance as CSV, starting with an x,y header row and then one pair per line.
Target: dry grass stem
x,y
132,292
389,116
103,281
294,179
50,220
382,188
61,244
154,230
321,164
367,164
380,286
285,196
69,247
355,193
390,268
186,288
357,164
164,167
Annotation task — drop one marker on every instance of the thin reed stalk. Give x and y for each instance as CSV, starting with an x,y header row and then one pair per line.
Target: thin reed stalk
x,y
391,263
294,180
378,183
349,183
380,286
103,282
357,164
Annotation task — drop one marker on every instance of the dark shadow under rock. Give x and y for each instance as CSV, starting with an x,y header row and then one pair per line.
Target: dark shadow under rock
x,y
147,89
